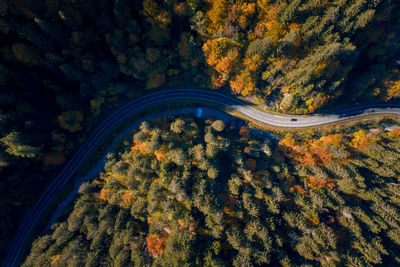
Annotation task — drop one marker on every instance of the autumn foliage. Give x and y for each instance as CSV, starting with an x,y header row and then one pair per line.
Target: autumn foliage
x,y
160,153
195,191
298,189
244,132
139,146
314,221
127,199
311,151
392,90
65,63
361,139
104,194
156,244
318,183
395,133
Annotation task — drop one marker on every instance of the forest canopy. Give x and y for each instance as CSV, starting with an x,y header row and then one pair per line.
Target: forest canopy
x,y
186,191
298,55
65,64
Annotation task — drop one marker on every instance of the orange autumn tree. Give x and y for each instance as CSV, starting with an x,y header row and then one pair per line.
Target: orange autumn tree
x,y
311,151
244,132
221,54
246,13
139,146
314,220
217,81
360,140
156,244
323,156
316,102
55,260
269,13
395,133
288,142
318,183
104,194
243,84
225,19
253,63
319,156
160,153
127,199
225,65
298,189
224,15
332,139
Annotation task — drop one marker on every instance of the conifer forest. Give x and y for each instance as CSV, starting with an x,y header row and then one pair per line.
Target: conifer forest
x,y
199,190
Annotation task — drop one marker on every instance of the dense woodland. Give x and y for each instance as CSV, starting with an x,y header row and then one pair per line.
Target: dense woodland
x,y
298,55
189,192
65,63
62,63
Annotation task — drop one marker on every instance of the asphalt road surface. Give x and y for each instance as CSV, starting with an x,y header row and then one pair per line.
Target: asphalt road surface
x,y
33,215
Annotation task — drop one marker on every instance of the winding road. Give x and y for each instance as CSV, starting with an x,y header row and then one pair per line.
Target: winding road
x,y
33,215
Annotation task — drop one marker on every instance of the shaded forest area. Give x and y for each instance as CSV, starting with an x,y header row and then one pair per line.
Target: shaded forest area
x,y
190,192
63,62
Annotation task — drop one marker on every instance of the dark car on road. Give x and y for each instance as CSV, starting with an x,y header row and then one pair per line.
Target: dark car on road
x,y
293,120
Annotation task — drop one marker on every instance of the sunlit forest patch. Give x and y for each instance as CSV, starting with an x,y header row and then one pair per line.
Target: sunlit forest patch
x,y
188,192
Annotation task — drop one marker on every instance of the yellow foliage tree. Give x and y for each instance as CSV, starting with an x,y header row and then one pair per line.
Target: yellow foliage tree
x,y
217,15
360,140
224,66
243,84
160,153
392,90
215,49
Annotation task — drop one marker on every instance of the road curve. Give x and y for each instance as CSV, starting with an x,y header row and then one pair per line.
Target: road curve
x,y
33,215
